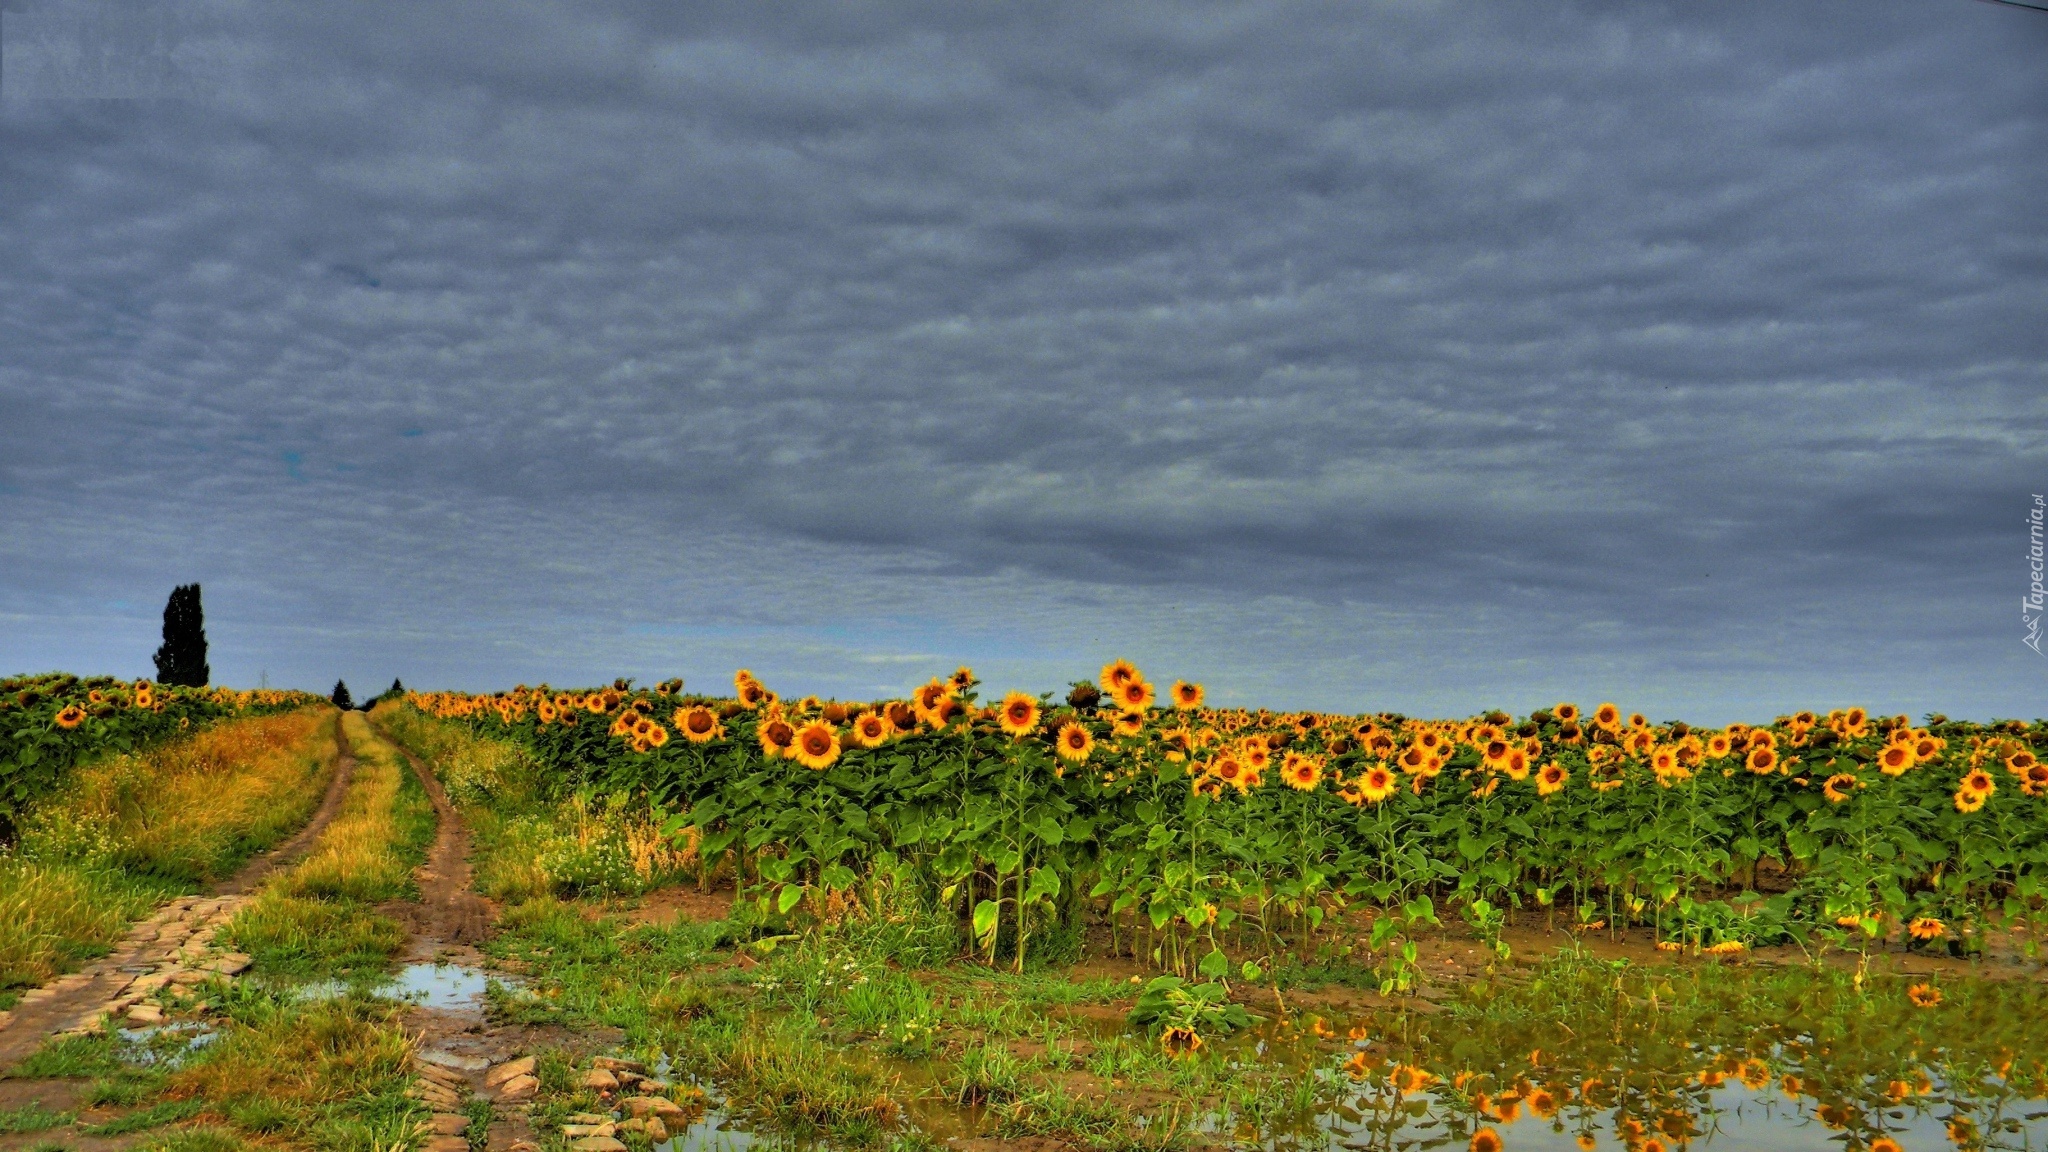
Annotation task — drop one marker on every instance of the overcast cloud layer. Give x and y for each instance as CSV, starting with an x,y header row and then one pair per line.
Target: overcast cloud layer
x,y
1404,355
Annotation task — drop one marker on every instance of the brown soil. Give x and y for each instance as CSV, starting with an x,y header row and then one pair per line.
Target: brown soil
x,y
60,1004
447,915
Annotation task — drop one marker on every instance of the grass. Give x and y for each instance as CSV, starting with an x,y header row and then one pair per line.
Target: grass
x,y
526,841
129,831
31,1117
318,918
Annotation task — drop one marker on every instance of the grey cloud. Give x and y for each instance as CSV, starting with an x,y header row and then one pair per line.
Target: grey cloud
x,y
1662,344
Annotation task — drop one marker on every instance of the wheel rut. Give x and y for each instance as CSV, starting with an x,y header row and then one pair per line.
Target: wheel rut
x,y
171,943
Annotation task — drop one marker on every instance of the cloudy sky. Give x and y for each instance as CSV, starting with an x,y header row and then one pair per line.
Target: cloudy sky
x,y
1404,354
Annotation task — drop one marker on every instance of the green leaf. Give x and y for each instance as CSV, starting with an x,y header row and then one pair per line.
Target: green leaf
x,y
1215,964
985,920
791,894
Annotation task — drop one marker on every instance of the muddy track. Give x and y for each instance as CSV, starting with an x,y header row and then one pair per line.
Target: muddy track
x,y
180,930
447,915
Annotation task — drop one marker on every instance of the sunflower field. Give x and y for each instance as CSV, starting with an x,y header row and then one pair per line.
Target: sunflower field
x,y
1215,841
52,721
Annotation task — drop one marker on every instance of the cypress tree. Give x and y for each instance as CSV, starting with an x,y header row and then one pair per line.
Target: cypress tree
x,y
341,696
182,659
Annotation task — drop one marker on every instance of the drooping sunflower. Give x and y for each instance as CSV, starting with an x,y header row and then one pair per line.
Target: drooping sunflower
x,y
1075,742
698,725
902,717
776,738
816,745
1118,673
1018,716
1406,1078
1551,779
70,717
2036,782
1967,802
1135,696
1128,724
1837,788
1926,928
870,729
1301,772
1186,695
1179,1042
1895,759
1923,995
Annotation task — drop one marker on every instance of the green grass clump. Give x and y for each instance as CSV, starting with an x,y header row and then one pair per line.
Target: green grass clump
x,y
31,1117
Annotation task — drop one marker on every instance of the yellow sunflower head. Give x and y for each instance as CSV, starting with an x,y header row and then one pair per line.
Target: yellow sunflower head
x,y
1018,715
1118,673
777,735
815,745
70,717
1186,695
1074,742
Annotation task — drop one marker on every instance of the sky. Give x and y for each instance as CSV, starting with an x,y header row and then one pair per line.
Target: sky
x,y
1405,355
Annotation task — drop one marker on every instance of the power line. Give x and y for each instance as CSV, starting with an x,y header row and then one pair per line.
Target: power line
x,y
2017,4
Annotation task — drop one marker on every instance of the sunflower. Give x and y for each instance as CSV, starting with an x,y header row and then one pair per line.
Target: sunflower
x,y
1925,749
2036,783
1179,1042
816,745
1118,673
546,711
870,729
1607,716
1484,1140
962,679
1406,1078
776,738
145,697
1835,788
1895,759
1763,761
1415,759
1494,754
2019,763
1855,719
595,704
1135,696
1980,782
1230,770
1186,695
1926,928
71,717
655,735
1018,715
1543,1102
1128,724
1968,801
1301,772
1885,1144
1565,713
1074,742
1357,1067
1377,784
902,717
928,697
1551,779
698,725
1760,738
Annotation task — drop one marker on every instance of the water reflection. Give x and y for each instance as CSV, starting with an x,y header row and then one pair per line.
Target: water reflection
x,y
1588,1055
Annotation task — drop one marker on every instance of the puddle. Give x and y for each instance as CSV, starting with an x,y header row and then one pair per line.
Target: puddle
x,y
449,987
164,1043
444,986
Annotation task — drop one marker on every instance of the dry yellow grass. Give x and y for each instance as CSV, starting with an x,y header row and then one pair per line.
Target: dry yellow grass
x,y
369,850
129,830
316,917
